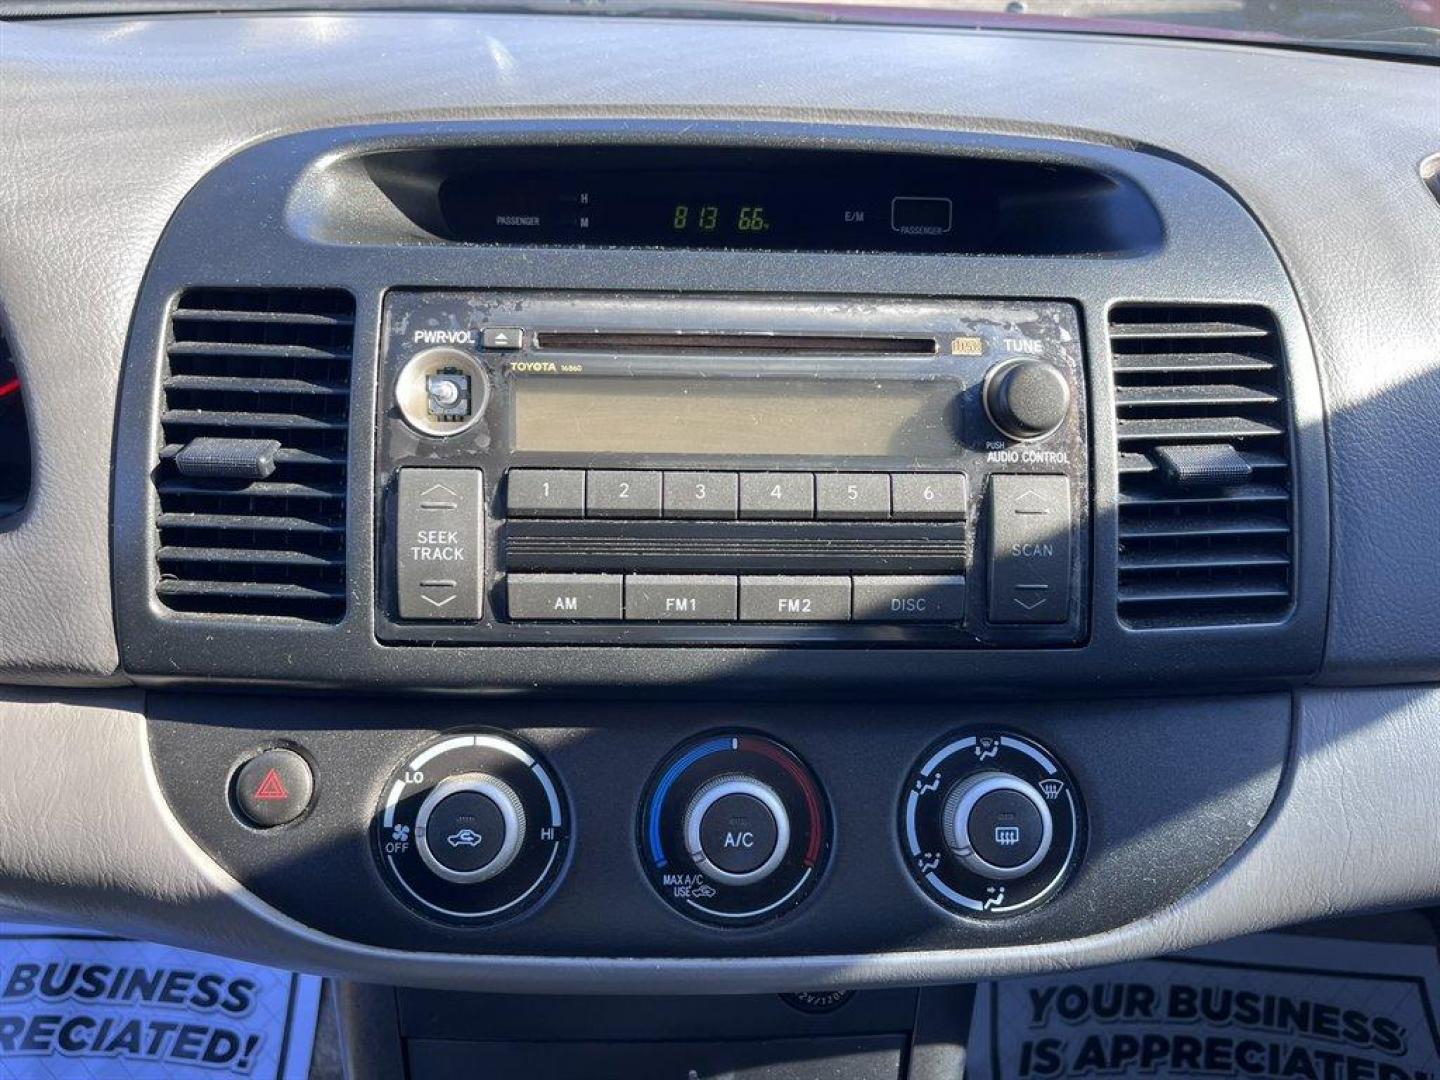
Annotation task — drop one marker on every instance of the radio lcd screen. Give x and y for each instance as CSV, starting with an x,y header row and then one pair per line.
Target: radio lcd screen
x,y
754,417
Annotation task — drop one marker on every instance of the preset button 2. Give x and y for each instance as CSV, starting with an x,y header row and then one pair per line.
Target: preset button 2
x,y
622,494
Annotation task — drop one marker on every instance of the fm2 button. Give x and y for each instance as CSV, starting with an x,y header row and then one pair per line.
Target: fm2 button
x,y
737,830
273,788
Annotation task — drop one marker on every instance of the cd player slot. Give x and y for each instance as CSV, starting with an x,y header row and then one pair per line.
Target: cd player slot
x,y
729,343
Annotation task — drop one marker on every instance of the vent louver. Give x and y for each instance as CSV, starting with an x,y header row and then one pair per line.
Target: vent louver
x,y
252,470
1204,466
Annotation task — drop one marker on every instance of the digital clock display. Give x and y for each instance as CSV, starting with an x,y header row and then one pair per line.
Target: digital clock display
x,y
862,206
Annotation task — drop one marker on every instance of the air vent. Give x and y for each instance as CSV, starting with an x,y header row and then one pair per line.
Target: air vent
x,y
1205,468
254,433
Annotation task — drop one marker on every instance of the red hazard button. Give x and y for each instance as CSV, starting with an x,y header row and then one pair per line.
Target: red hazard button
x,y
272,788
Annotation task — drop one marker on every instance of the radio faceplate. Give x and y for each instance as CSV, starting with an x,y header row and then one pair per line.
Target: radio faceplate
x,y
663,469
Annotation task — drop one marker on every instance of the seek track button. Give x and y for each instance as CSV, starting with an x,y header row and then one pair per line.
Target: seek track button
x,y
439,543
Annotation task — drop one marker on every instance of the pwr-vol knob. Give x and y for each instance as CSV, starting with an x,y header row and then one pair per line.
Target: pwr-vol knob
x,y
734,829
991,824
1026,399
473,828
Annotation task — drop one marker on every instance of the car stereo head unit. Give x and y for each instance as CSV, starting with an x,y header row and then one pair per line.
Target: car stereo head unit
x,y
642,469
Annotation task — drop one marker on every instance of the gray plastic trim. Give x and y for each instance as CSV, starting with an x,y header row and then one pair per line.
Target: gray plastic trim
x,y
1351,829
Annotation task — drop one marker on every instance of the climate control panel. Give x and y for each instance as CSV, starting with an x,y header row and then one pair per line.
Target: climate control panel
x,y
519,827
734,829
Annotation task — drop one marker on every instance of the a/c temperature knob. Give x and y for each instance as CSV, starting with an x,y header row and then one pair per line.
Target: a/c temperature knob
x,y
737,830
1026,399
734,829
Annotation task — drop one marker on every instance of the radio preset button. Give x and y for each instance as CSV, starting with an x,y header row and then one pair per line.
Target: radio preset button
x,y
777,496
928,496
794,599
545,493
622,494
680,598
852,496
912,599
701,495
566,597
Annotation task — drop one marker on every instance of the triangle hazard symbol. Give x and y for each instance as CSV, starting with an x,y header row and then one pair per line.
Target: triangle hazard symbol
x,y
272,787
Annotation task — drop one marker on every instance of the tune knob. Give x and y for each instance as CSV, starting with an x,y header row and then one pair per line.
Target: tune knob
x,y
737,830
1026,399
998,825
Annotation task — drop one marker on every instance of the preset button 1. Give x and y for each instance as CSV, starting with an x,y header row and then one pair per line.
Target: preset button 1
x,y
545,493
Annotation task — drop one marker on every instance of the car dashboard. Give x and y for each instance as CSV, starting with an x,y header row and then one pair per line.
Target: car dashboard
x,y
661,506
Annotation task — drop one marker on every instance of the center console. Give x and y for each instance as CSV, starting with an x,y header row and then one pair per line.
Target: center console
x,y
834,552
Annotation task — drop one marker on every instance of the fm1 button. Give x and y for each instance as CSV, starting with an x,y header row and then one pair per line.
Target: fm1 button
x,y
273,788
998,825
469,828
736,830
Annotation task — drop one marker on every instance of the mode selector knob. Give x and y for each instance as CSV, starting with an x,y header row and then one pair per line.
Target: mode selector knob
x,y
1026,399
998,825
737,830
470,828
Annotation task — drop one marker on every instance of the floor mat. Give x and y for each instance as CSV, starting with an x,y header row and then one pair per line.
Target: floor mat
x,y
77,1006
1270,1005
